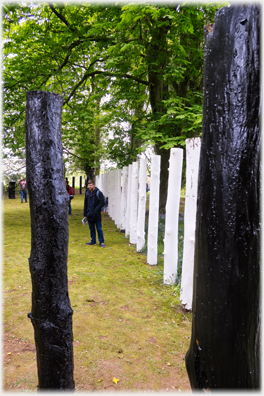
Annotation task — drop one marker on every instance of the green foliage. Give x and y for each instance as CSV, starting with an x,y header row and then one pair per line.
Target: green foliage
x,y
135,64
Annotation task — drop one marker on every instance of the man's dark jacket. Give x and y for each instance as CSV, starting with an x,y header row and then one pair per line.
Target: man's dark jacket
x,y
93,205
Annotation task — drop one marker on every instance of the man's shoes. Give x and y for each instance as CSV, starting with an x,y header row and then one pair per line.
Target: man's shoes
x,y
90,243
102,245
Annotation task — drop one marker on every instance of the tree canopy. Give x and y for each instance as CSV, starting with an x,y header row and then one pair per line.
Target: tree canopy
x,y
130,75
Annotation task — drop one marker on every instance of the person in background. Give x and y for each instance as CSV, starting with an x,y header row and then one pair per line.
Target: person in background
x,y
23,190
93,203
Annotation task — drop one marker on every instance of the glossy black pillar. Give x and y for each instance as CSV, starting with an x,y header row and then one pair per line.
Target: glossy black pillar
x,y
80,184
224,351
51,313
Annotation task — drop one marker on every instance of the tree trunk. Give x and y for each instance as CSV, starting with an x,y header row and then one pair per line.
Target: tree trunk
x,y
164,175
90,174
51,313
225,346
97,137
158,91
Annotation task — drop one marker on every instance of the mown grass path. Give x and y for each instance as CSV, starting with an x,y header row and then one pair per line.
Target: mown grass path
x,y
127,325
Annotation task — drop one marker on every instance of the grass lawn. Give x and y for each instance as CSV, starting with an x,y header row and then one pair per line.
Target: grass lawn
x,y
127,325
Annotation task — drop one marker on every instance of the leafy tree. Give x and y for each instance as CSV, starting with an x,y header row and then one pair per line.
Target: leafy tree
x,y
135,70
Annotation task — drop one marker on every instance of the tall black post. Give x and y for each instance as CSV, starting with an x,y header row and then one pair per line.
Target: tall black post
x,y
11,190
80,184
224,351
73,182
51,313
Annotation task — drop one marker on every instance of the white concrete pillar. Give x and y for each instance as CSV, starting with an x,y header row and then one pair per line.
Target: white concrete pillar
x,y
103,176
107,184
153,223
115,194
134,204
193,147
127,233
118,199
109,193
112,194
141,204
124,197
172,216
106,178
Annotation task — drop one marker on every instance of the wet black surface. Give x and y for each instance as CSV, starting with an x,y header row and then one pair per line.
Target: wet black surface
x,y
51,313
225,346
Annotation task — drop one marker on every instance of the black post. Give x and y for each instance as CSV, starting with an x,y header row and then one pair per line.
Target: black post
x,y
80,184
73,182
51,313
225,346
11,189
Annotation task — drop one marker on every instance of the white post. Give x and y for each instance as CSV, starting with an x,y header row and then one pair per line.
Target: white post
x,y
141,204
118,199
115,195
124,197
128,200
153,223
172,216
134,204
193,147
99,182
108,188
109,191
112,194
104,176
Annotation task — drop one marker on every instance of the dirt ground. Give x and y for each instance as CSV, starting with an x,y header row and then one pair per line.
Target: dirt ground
x,y
106,372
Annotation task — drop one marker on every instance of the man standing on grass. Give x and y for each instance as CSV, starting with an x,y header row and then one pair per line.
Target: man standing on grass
x,y
93,203
23,190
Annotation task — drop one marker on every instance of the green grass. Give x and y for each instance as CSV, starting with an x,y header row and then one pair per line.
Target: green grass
x,y
127,324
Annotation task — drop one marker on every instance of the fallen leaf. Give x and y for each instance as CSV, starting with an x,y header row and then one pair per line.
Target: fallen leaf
x,y
99,380
9,353
168,364
115,380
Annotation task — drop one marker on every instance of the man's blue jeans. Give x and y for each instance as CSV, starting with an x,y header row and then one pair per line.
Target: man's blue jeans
x,y
23,194
98,226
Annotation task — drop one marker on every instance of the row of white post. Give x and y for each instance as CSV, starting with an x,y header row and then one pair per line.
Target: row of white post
x,y
126,192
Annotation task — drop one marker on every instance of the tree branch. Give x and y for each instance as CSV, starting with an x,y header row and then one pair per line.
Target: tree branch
x,y
91,74
61,17
64,63
74,155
